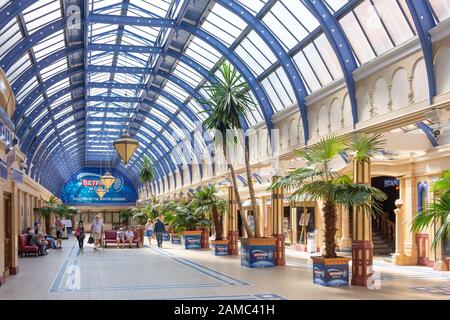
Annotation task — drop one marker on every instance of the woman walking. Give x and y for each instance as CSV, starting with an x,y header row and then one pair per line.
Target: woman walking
x,y
79,233
149,230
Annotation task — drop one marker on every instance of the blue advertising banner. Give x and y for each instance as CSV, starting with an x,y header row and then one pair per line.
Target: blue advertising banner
x,y
81,188
335,275
192,241
257,256
176,240
219,249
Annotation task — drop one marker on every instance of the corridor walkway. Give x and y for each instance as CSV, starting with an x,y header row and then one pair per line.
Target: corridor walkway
x,y
174,273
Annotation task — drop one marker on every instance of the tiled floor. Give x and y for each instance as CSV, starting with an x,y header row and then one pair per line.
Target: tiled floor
x,y
175,273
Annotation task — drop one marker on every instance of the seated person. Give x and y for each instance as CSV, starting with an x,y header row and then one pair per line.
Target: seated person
x,y
120,237
38,240
129,236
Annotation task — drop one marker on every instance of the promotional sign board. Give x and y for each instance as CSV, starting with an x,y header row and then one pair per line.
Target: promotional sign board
x,y
220,249
176,240
257,256
192,241
335,275
81,188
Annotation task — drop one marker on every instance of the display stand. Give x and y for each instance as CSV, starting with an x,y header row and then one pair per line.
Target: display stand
x,y
304,221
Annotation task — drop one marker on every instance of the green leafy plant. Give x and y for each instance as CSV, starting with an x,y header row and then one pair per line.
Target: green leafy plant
x,y
317,180
147,173
229,102
49,207
183,217
143,212
205,202
438,212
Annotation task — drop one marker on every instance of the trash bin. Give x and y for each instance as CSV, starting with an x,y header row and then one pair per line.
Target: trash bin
x,y
311,245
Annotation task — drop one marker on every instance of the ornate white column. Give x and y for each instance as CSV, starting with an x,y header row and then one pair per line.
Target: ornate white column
x,y
398,258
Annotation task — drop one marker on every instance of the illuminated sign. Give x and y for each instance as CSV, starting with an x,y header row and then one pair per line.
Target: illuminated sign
x,y
81,188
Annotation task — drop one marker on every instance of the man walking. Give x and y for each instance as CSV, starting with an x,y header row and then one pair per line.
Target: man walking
x,y
159,231
97,230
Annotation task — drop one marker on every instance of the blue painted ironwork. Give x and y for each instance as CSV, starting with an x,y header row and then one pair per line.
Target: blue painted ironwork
x,y
424,22
298,87
338,41
41,88
258,91
429,133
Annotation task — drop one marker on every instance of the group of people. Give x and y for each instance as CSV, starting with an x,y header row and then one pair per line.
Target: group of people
x,y
155,229
124,236
37,237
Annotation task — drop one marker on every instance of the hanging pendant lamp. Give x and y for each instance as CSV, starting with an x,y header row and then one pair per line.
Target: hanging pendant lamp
x,y
125,147
107,180
101,191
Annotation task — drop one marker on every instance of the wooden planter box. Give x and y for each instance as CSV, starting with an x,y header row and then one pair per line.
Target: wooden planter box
x,y
175,238
331,272
220,247
192,239
258,253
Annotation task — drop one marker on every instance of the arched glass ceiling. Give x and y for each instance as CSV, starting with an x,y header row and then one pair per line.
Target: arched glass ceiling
x,y
141,65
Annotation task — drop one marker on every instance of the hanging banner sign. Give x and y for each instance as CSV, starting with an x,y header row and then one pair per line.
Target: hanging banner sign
x,y
81,188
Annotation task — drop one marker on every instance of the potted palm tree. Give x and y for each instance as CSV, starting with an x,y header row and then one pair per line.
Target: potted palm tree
x,y
147,174
167,210
205,202
438,212
47,210
186,221
229,102
317,180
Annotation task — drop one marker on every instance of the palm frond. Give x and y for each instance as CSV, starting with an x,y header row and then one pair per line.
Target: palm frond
x,y
364,146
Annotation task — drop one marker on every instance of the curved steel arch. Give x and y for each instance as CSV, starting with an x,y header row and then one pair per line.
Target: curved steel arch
x,y
34,147
37,110
253,82
287,63
341,47
78,167
59,155
41,88
424,22
81,146
28,42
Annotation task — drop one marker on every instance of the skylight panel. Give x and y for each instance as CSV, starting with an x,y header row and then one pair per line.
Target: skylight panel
x,y
168,105
68,136
11,35
153,8
98,29
176,91
18,68
65,121
41,13
61,100
54,68
35,103
189,75
37,118
27,88
223,24
63,112
144,35
58,86
203,53
49,45
253,6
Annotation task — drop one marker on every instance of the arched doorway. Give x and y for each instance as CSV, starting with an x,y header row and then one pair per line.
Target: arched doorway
x,y
383,223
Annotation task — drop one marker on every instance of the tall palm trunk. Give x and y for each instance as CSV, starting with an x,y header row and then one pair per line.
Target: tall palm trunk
x,y
251,189
236,192
330,218
217,223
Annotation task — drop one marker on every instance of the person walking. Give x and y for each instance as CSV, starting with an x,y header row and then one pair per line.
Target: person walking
x,y
59,230
149,231
80,234
159,231
97,229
